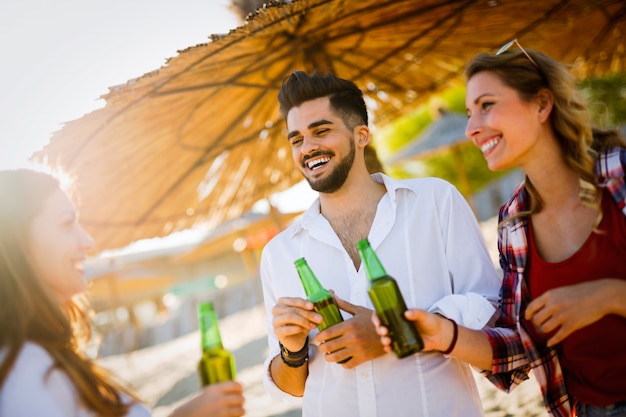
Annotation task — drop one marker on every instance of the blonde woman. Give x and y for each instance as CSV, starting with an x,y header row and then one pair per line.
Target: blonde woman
x,y
562,239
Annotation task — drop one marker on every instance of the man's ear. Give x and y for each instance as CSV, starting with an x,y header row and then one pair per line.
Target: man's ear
x,y
546,102
362,133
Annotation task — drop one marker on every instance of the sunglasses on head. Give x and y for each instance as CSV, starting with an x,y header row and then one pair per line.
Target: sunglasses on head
x,y
508,45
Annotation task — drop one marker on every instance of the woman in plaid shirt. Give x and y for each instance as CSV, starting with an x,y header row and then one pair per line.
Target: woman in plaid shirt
x,y
562,240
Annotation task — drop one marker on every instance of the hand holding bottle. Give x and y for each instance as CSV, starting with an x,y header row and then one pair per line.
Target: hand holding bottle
x,y
292,319
389,303
435,330
322,299
224,399
354,338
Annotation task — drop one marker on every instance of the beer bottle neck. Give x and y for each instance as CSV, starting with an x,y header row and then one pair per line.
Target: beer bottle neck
x,y
309,281
209,330
373,266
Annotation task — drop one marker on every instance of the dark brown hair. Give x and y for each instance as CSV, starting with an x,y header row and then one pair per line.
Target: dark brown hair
x,y
346,99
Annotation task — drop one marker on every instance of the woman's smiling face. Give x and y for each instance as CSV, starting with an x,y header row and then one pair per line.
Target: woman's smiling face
x,y
58,245
500,123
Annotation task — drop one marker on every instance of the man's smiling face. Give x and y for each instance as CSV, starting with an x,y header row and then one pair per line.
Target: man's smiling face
x,y
321,144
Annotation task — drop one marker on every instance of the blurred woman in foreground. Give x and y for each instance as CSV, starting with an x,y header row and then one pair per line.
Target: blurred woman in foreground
x,y
43,371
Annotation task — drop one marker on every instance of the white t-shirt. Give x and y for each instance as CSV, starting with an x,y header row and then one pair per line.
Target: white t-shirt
x,y
428,239
32,390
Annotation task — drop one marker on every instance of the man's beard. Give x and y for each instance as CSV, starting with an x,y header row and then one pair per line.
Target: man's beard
x,y
335,179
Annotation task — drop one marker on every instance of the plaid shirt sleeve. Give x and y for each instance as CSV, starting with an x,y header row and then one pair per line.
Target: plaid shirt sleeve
x,y
510,362
610,168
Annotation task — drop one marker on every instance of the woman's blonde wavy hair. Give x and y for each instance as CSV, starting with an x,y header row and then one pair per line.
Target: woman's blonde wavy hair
x,y
570,117
28,310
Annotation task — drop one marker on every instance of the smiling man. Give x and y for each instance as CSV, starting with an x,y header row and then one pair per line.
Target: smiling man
x,y
425,235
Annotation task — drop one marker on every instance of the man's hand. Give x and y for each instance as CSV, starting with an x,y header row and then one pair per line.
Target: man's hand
x,y
293,319
355,338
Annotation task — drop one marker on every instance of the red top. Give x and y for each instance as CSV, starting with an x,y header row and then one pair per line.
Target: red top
x,y
594,357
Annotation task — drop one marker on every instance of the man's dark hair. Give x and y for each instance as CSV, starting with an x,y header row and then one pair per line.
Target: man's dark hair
x,y
346,99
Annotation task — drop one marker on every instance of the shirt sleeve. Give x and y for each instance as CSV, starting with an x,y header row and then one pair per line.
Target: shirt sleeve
x,y
470,310
33,389
510,363
474,281
270,300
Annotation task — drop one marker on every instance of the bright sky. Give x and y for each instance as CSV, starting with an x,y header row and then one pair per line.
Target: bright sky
x,y
60,56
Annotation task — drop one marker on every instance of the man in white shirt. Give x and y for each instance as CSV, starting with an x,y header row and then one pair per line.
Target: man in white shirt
x,y
425,235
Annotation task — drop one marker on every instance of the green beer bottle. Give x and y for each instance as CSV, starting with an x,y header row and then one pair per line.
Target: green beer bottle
x,y
389,304
216,364
322,299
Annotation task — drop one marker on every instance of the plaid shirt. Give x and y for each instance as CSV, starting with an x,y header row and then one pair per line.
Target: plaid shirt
x,y
517,346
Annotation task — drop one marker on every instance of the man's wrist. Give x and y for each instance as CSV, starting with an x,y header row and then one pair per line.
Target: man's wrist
x,y
455,335
295,359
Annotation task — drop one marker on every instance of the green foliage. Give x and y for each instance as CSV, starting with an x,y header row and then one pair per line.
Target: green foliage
x,y
397,134
607,99
445,165
472,165
402,131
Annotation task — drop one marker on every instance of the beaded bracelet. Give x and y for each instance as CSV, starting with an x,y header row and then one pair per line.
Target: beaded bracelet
x,y
295,359
455,336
